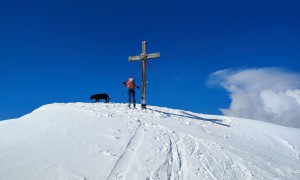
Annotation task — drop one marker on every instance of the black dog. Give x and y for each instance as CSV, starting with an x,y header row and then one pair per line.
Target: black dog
x,y
100,96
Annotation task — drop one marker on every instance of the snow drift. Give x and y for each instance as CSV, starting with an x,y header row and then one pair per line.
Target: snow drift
x,y
112,141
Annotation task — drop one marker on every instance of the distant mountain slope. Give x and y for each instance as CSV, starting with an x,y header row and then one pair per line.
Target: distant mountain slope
x,y
111,141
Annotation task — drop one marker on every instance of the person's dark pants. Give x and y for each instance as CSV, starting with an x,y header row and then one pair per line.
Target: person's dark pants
x,y
131,94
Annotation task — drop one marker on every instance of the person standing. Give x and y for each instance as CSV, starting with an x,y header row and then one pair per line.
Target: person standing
x,y
130,84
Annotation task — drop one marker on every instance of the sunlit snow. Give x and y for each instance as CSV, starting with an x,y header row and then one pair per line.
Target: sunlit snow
x,y
111,141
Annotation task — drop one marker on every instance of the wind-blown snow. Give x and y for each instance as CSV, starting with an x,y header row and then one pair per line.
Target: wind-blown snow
x,y
110,141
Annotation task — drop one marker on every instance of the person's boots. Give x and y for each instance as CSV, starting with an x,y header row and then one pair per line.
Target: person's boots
x,y
129,103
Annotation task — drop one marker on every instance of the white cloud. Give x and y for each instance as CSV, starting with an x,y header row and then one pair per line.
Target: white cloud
x,y
267,94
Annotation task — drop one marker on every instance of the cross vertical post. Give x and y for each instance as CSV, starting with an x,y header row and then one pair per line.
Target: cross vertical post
x,y
144,57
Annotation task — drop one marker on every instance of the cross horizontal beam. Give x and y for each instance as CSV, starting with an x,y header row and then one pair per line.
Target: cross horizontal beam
x,y
153,55
144,57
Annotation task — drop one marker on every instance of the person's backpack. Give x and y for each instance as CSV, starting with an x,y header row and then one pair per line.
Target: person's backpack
x,y
130,84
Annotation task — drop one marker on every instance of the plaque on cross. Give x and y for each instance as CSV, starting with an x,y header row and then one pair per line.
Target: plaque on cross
x,y
144,57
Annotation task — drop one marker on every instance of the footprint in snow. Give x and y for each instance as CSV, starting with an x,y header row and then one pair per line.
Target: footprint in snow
x,y
149,161
106,153
148,124
225,136
161,149
189,123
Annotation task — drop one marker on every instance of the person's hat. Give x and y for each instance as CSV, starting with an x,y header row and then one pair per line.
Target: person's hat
x,y
130,79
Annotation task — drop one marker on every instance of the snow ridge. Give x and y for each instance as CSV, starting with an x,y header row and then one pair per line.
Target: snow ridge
x,y
111,141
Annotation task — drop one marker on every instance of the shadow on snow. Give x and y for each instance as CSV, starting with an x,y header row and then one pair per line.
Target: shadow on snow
x,y
192,116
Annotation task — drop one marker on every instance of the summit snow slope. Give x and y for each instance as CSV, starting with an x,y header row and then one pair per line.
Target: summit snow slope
x,y
111,141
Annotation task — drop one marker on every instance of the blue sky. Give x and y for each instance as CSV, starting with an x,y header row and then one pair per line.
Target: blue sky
x,y
65,51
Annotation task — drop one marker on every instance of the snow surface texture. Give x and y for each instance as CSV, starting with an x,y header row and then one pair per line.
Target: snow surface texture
x,y
111,141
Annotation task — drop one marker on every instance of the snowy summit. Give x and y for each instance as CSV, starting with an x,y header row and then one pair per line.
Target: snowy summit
x,y
111,141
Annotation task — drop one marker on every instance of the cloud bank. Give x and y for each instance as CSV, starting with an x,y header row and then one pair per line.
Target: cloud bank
x,y
266,94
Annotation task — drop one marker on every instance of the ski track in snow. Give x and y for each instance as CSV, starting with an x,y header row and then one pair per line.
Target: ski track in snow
x,y
276,139
210,155
123,162
175,165
160,143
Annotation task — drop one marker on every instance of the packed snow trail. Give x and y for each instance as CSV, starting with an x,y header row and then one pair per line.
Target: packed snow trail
x,y
112,141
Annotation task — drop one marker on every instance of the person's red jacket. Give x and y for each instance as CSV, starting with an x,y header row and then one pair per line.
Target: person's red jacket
x,y
125,83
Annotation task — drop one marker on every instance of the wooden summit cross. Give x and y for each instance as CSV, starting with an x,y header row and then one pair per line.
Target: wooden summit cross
x,y
144,57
